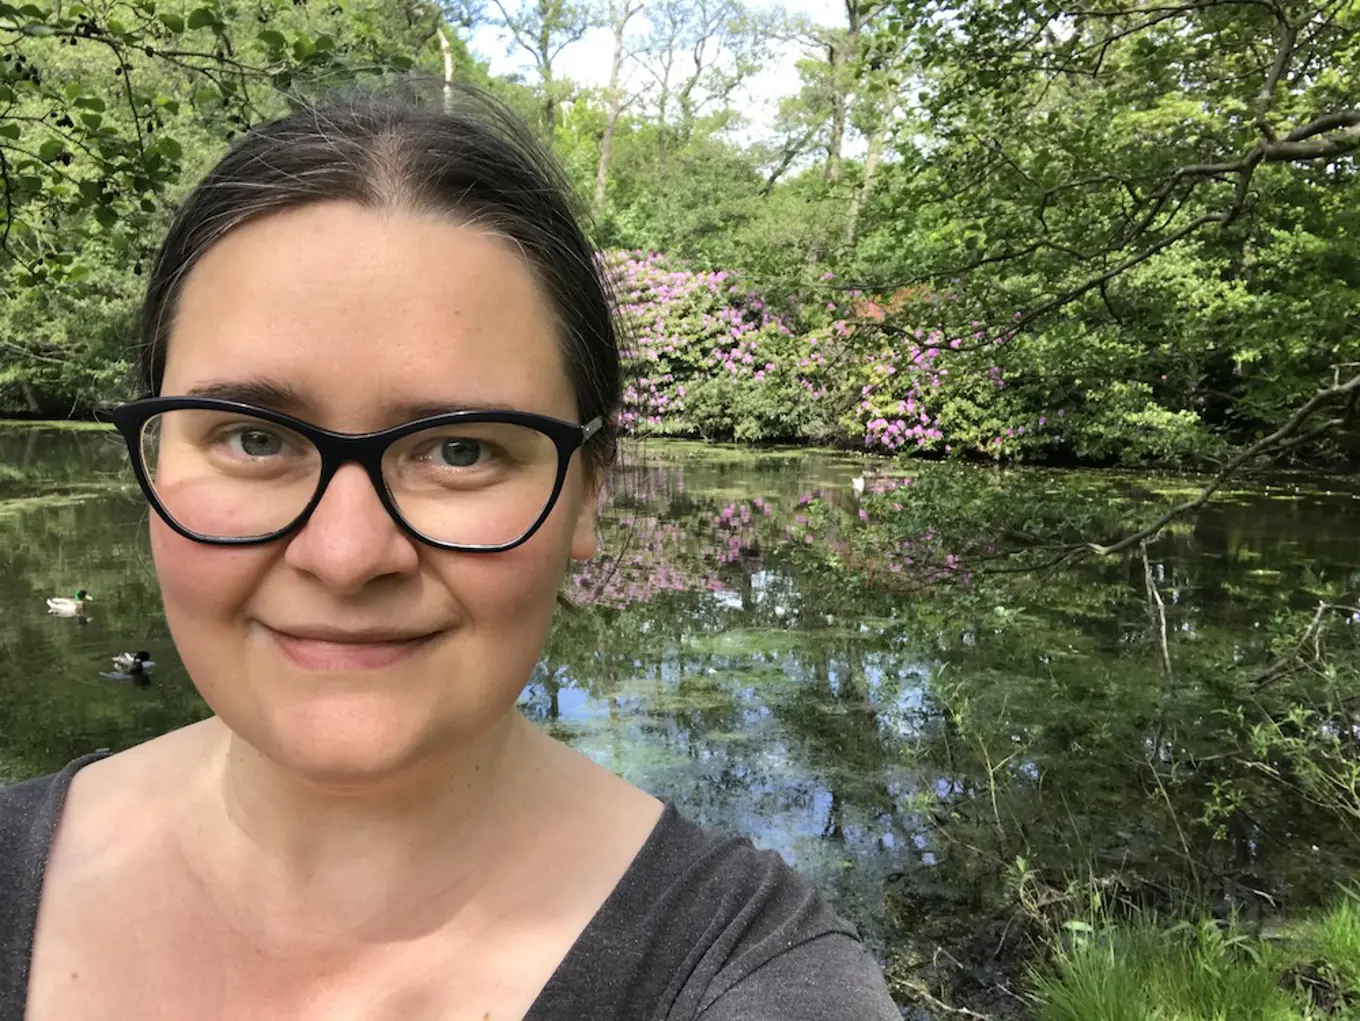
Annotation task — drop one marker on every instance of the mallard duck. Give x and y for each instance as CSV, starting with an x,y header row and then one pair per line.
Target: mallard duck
x,y
64,607
134,664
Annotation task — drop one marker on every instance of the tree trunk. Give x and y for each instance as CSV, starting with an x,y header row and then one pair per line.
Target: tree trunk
x,y
549,106
447,50
831,173
606,152
839,54
546,72
611,117
662,105
30,398
866,186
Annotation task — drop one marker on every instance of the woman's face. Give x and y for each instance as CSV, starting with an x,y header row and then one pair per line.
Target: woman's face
x,y
348,650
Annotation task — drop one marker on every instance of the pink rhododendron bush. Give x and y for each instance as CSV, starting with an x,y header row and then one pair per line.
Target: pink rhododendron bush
x,y
708,357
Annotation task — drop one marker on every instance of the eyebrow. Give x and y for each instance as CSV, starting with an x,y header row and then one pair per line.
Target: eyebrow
x,y
265,393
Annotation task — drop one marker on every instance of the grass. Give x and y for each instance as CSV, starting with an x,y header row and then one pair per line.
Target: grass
x,y
1334,939
1150,970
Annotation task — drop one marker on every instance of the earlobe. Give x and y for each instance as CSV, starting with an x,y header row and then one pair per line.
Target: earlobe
x,y
585,539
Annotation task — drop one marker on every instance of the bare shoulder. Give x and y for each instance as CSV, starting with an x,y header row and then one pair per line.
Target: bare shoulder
x,y
116,815
117,803
110,882
603,809
126,913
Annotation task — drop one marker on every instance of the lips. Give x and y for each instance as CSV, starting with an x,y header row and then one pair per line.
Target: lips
x,y
352,636
315,648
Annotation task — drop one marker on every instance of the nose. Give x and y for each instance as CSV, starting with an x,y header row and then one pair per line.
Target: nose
x,y
350,539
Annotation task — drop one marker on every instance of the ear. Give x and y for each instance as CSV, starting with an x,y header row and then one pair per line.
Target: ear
x,y
585,539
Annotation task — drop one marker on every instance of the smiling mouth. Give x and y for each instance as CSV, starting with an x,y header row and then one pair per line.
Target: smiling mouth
x,y
327,650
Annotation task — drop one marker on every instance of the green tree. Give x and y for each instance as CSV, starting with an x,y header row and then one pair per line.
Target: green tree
x,y
542,29
1157,202
107,111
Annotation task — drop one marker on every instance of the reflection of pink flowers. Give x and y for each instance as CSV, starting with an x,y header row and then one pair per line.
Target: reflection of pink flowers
x,y
660,554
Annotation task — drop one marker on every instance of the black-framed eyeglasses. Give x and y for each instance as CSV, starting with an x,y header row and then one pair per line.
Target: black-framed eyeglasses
x,y
232,474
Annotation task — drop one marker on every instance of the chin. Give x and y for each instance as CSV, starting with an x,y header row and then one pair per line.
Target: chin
x,y
354,730
348,746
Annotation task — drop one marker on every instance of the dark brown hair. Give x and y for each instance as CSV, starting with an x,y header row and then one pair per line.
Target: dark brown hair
x,y
463,155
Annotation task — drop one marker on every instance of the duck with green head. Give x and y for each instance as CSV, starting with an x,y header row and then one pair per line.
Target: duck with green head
x,y
133,664
63,606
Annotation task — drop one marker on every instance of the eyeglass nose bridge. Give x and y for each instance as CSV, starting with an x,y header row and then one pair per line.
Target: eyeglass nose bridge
x,y
365,451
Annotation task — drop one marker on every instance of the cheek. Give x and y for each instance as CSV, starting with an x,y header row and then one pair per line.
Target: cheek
x,y
204,590
509,598
516,589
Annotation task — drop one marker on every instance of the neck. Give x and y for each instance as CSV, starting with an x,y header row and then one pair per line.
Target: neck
x,y
338,859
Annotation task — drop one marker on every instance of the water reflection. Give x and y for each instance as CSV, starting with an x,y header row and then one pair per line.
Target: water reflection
x,y
736,651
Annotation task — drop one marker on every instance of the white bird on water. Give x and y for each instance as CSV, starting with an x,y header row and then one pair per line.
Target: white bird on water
x,y
858,485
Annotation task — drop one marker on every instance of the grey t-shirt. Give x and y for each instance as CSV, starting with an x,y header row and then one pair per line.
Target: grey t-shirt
x,y
701,927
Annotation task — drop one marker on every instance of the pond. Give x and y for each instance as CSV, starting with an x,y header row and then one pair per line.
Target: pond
x,y
946,748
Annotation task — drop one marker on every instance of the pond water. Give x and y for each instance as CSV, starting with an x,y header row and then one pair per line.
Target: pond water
x,y
932,753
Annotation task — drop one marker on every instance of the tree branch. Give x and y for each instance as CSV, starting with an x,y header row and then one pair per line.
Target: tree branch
x,y
1288,435
1286,34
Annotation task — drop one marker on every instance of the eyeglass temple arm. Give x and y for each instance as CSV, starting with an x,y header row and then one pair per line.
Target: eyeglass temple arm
x,y
591,428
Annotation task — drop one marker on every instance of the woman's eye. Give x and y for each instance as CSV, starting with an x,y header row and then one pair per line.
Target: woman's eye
x,y
257,442
459,453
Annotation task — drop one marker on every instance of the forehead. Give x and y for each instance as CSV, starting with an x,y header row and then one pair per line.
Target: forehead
x,y
361,313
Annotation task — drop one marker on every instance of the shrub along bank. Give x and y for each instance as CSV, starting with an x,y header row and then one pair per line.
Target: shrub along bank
x,y
711,357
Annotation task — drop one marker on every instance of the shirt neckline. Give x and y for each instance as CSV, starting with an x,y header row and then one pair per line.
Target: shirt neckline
x,y
609,918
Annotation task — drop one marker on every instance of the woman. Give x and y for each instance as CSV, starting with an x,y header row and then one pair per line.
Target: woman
x,y
386,377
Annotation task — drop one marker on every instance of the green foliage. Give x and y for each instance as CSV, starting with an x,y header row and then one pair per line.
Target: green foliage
x,y
72,338
1333,939
1146,971
1096,177
1027,207
107,114
707,358
1148,968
